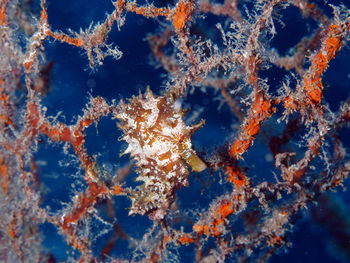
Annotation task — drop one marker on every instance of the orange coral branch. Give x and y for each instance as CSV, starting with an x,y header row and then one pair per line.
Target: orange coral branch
x,y
182,14
261,110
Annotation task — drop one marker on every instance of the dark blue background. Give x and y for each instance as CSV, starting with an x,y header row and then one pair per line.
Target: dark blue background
x,y
73,81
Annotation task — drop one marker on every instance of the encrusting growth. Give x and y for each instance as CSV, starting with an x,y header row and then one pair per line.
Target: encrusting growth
x,y
160,142
291,118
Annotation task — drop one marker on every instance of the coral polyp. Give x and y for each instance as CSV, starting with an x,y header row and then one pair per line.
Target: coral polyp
x,y
160,142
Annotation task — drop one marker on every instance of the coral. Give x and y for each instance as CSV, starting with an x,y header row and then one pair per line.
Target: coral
x,y
273,146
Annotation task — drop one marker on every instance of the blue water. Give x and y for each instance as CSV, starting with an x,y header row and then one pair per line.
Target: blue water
x,y
72,82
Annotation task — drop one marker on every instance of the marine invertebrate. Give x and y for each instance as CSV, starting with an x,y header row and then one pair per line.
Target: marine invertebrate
x,y
160,142
269,79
